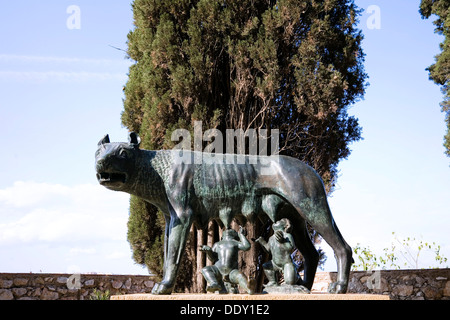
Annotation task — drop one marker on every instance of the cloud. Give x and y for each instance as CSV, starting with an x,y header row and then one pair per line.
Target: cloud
x,y
118,255
60,76
25,194
78,250
33,212
24,59
39,69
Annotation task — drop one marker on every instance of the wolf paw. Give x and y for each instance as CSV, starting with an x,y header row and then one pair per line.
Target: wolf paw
x,y
337,287
162,289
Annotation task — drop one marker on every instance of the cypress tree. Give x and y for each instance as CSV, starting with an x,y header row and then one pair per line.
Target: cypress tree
x,y
440,71
290,65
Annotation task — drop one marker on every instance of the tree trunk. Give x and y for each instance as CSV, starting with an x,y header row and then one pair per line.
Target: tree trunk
x,y
200,284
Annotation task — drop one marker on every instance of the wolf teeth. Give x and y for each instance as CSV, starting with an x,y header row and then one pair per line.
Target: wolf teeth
x,y
108,177
104,176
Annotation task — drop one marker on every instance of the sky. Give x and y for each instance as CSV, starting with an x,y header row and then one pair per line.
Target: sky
x,y
62,71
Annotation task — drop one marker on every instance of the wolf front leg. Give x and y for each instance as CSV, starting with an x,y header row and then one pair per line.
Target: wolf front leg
x,y
178,231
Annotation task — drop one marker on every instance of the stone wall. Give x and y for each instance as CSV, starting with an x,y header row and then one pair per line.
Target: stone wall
x,y
430,284
423,284
40,286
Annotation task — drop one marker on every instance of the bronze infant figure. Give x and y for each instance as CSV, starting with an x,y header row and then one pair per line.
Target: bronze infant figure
x,y
224,274
281,245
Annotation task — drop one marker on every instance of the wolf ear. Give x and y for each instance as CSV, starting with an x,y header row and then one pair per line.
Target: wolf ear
x,y
104,140
134,140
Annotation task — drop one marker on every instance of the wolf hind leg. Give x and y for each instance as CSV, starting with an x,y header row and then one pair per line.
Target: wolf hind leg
x,y
318,214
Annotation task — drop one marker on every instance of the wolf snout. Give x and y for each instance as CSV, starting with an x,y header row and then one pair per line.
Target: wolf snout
x,y
100,165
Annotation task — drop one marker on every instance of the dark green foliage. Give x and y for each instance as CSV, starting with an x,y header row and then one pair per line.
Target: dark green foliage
x,y
145,234
440,70
291,65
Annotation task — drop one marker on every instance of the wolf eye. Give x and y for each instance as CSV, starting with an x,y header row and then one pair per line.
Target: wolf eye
x,y
123,154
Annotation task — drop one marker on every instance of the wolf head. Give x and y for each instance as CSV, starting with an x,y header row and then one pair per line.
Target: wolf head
x,y
115,163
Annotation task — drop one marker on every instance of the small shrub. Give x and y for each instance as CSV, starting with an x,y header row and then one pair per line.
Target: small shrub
x,y
98,295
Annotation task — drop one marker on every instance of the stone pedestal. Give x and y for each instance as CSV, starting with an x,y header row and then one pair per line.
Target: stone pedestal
x,y
286,289
246,297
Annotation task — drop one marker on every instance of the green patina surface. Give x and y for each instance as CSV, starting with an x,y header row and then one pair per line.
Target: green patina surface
x,y
190,192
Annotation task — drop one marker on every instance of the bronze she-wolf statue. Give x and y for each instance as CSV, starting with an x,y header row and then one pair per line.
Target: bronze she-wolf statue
x,y
191,192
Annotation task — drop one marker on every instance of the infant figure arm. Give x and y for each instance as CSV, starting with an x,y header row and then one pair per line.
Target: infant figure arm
x,y
210,253
244,244
289,241
263,244
285,239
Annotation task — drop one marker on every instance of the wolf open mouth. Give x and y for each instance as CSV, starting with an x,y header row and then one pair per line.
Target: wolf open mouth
x,y
111,177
